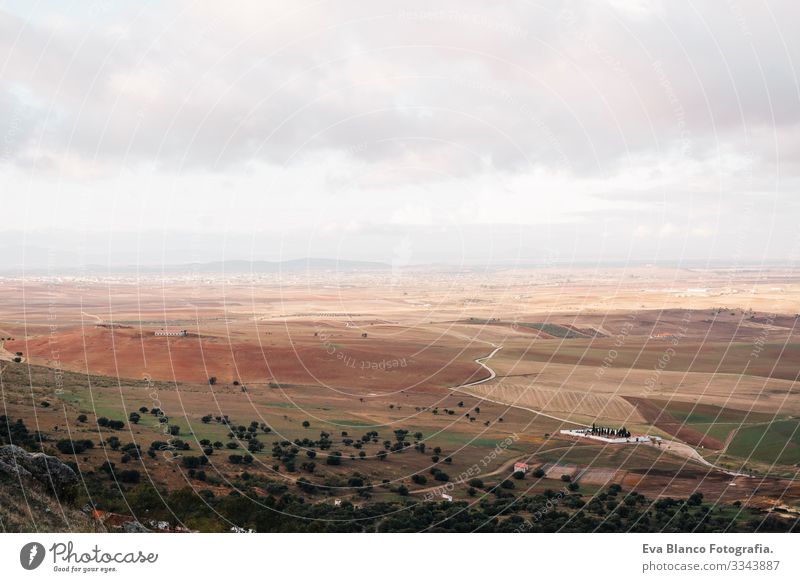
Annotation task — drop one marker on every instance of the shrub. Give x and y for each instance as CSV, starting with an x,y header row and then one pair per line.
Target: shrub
x,y
70,447
129,476
441,476
192,462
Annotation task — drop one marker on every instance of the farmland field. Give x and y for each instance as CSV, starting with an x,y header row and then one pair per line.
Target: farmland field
x,y
330,395
775,442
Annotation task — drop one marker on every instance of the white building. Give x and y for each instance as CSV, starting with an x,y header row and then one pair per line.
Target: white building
x,y
586,433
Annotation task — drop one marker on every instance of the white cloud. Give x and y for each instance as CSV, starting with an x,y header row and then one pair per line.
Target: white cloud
x,y
376,116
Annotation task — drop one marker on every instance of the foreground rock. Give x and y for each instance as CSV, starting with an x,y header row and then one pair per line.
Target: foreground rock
x,y
49,471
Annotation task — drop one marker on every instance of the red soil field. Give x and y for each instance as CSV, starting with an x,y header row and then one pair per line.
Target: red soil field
x,y
358,366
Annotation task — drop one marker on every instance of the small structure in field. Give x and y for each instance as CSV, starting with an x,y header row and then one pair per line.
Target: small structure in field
x,y
609,435
521,467
169,332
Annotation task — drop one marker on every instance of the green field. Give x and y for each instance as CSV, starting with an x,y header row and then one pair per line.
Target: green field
x,y
692,413
554,330
777,442
715,421
777,360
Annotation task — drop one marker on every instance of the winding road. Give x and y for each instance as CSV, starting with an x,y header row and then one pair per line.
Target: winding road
x,y
492,375
676,448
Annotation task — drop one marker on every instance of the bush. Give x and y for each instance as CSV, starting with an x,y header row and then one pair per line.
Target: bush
x,y
518,475
306,424
538,473
129,476
69,447
82,418
419,479
477,483
566,478
134,417
191,462
507,484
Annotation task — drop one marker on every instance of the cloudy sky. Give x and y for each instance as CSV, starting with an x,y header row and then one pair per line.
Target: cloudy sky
x,y
472,132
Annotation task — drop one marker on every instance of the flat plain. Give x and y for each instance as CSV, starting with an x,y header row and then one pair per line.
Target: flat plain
x,y
476,369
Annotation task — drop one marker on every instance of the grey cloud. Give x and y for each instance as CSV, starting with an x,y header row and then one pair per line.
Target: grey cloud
x,y
522,84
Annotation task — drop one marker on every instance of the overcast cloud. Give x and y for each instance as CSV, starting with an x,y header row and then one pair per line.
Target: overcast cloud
x,y
469,132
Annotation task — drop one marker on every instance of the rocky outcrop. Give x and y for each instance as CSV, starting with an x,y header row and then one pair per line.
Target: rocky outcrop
x,y
134,527
49,471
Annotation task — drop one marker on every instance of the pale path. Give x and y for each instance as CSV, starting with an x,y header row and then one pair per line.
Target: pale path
x,y
7,356
688,452
492,375
678,449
